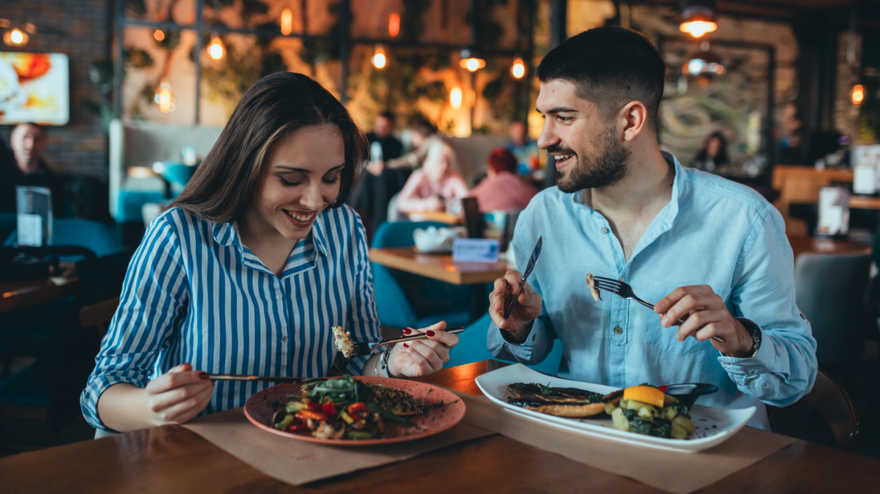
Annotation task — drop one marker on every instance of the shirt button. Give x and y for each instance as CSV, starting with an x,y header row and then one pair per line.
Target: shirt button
x,y
284,339
618,330
604,230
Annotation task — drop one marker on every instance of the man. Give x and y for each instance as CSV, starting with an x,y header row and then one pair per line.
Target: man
x,y
704,248
27,142
370,197
525,149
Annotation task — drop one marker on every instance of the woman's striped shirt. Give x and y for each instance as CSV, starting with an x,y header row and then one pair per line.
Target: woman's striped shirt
x,y
194,293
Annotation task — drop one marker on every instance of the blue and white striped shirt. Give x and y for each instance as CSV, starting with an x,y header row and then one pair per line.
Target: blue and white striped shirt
x,y
194,293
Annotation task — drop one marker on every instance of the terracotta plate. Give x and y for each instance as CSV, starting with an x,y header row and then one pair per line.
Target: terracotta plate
x,y
258,410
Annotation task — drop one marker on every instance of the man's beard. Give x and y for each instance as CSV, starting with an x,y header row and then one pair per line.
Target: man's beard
x,y
608,168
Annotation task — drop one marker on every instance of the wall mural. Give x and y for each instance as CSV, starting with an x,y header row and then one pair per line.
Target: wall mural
x,y
732,99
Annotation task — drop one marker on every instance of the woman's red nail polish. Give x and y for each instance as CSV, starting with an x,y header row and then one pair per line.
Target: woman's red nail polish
x,y
406,345
406,331
203,375
430,332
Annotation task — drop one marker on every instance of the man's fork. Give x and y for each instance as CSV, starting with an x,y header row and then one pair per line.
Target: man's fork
x,y
622,289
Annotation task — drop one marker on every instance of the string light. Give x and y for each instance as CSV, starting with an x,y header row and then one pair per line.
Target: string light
x,y
380,61
858,94
286,21
393,24
164,97
518,69
16,37
158,35
216,50
455,97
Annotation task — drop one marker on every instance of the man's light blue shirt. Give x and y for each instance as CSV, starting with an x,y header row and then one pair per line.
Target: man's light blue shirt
x,y
712,231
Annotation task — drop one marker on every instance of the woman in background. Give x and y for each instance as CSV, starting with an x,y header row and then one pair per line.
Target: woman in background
x,y
713,153
248,271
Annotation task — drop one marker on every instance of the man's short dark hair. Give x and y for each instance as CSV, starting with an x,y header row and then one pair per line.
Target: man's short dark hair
x,y
611,66
387,115
419,123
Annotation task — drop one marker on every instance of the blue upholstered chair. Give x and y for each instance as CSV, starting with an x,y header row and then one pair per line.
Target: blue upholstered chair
x,y
406,299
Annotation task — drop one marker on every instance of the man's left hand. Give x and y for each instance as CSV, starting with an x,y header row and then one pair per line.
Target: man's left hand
x,y
707,318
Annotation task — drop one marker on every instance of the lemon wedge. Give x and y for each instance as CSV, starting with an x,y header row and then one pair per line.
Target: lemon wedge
x,y
644,394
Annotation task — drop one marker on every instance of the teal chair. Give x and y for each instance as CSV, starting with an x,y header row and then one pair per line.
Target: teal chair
x,y
471,347
406,299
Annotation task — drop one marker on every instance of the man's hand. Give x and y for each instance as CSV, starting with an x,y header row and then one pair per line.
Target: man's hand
x,y
376,167
526,306
707,318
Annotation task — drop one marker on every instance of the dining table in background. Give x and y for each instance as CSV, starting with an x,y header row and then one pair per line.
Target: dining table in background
x,y
804,244
171,459
438,266
16,295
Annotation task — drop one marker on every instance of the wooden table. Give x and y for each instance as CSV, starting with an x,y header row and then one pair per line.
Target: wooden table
x,y
21,294
439,267
803,244
172,459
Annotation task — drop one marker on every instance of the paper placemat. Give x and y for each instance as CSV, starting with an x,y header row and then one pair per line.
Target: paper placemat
x,y
300,462
667,470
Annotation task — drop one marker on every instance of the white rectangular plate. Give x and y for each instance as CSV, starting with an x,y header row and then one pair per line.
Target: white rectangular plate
x,y
714,425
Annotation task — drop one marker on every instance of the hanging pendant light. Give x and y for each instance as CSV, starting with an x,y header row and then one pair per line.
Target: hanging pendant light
x,y
857,95
216,50
16,37
518,68
698,19
704,64
286,22
380,59
470,60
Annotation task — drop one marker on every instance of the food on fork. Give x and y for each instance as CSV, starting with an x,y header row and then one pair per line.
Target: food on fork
x,y
342,341
562,402
593,290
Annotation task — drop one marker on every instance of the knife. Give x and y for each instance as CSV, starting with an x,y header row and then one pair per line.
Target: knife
x,y
508,305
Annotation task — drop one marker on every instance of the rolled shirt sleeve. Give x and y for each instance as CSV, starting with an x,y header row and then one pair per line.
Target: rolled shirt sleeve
x,y
153,295
785,366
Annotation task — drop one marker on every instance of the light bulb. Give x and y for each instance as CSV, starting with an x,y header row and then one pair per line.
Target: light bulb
x,y
518,69
286,21
455,97
216,49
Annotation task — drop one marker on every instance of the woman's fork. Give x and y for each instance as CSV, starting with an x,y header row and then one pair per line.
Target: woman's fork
x,y
622,289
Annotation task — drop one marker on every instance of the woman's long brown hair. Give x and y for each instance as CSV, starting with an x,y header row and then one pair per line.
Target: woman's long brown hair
x,y
223,186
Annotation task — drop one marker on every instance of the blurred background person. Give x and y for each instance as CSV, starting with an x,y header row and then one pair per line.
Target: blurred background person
x,y
502,189
27,143
713,154
376,188
437,185
525,149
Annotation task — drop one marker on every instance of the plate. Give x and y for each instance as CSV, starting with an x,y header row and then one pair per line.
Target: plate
x,y
714,425
258,409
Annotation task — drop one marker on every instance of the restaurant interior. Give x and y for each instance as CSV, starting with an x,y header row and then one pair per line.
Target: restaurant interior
x,y
117,102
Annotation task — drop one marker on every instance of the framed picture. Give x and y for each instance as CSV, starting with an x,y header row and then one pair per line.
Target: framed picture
x,y
34,87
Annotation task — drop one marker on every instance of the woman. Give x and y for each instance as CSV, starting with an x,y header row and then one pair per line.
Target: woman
x,y
436,184
248,271
713,153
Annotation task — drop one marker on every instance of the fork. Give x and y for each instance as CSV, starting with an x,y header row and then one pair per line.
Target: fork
x,y
622,289
366,347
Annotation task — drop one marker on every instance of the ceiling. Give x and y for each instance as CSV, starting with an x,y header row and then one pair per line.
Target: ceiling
x,y
782,10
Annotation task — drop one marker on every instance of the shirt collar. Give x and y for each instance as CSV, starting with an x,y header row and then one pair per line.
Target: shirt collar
x,y
227,234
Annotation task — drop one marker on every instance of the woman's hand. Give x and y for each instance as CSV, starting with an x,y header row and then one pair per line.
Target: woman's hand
x,y
421,357
178,395
525,307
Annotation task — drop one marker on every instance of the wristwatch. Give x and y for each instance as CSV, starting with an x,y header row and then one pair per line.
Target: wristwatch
x,y
754,332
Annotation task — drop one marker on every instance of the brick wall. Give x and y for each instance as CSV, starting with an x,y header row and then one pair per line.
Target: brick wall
x,y
80,147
